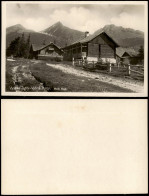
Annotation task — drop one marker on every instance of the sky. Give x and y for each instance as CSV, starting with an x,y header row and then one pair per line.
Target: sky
x,y
83,17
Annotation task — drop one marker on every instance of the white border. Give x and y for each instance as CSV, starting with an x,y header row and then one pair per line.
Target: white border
x,y
83,94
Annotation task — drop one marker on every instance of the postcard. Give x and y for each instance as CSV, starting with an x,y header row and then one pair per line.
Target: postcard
x,y
65,48
74,146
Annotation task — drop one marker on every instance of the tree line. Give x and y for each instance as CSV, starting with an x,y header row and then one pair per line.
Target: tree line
x,y
139,58
19,47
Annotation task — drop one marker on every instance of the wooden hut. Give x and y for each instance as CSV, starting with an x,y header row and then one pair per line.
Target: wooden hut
x,y
125,55
93,47
46,52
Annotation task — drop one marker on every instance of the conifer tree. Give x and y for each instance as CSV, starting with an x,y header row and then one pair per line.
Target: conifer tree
x,y
19,47
22,46
141,54
13,48
27,48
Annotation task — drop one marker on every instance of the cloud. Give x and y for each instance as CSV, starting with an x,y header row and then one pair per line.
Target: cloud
x,y
83,17
78,18
72,18
33,24
129,21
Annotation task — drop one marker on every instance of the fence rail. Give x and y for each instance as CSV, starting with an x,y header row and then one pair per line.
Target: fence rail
x,y
136,72
110,67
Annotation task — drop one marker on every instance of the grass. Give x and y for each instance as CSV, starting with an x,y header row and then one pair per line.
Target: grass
x,y
56,80
120,72
25,84
9,76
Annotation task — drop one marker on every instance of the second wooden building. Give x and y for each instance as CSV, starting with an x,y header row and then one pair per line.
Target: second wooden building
x,y
92,48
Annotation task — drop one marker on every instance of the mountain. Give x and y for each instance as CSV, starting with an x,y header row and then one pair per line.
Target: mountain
x,y
66,34
62,35
57,33
18,28
125,37
35,37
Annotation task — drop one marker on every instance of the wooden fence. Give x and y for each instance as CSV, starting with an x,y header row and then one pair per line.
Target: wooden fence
x,y
110,67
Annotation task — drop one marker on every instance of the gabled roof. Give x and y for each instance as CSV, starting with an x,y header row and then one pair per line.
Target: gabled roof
x,y
90,38
122,51
37,47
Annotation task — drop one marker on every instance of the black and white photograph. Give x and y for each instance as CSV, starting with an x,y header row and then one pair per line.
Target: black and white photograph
x,y
74,102
74,48
74,146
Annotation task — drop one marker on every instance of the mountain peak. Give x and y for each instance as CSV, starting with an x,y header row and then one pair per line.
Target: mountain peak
x,y
120,28
17,26
110,25
57,24
53,28
63,33
125,37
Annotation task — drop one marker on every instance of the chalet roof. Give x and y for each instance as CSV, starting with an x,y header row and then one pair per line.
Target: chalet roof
x,y
91,37
37,47
129,51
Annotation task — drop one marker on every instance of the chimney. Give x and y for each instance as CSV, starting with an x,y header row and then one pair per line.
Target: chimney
x,y
86,34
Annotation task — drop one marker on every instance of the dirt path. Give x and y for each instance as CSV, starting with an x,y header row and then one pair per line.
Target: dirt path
x,y
121,82
24,80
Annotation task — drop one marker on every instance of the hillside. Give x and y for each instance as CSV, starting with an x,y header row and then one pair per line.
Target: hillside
x,y
125,37
67,34
57,33
18,28
62,35
36,37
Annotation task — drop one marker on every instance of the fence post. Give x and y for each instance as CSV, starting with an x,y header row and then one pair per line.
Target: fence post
x,y
93,64
110,68
83,62
86,63
129,72
73,61
118,65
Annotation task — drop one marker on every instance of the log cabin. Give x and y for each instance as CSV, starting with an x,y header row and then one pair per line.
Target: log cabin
x,y
92,48
46,52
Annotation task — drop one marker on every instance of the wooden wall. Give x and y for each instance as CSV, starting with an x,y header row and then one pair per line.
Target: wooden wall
x,y
72,52
67,54
106,52
93,50
108,41
98,40
101,47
